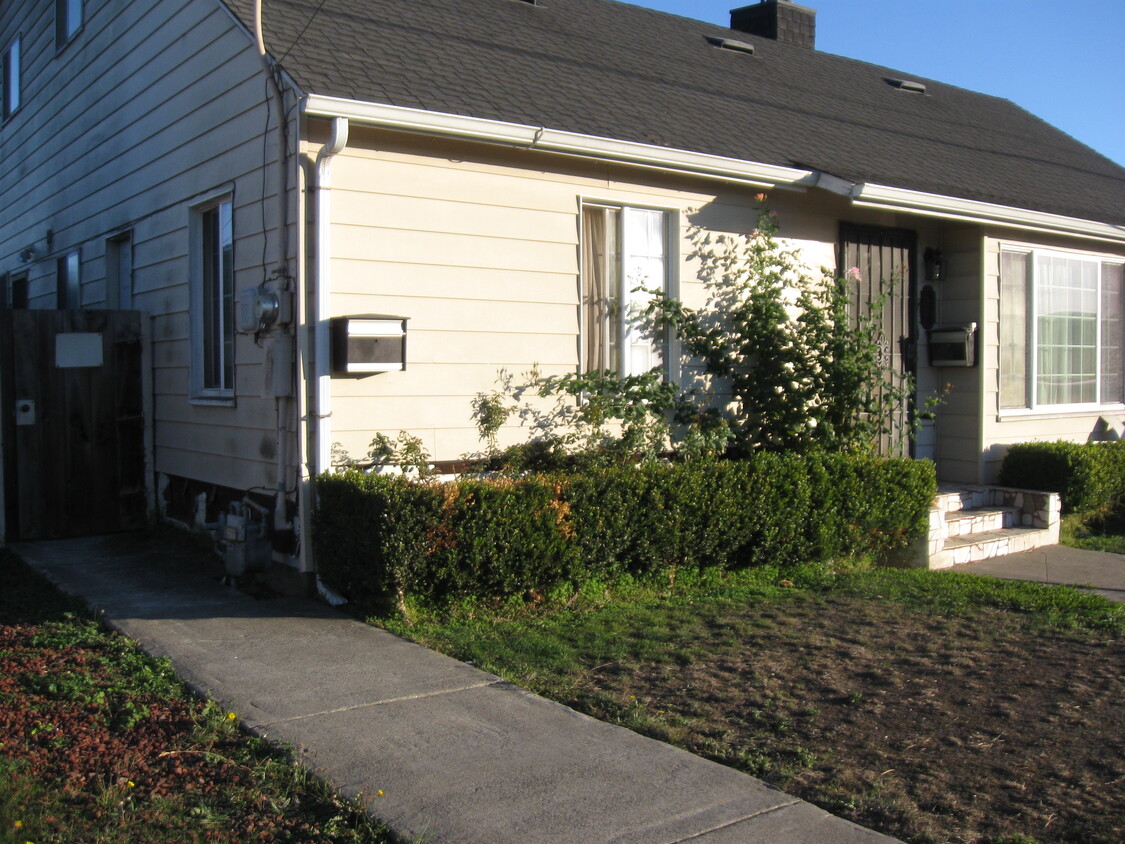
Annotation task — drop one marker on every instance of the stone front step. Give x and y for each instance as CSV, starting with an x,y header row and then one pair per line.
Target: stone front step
x,y
988,544
961,522
970,523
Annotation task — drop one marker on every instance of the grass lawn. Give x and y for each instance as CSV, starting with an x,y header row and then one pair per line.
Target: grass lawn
x,y
931,706
100,743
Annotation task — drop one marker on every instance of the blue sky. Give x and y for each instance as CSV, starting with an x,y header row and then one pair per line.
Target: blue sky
x,y
1062,60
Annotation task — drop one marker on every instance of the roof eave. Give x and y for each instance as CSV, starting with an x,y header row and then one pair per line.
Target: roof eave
x,y
687,162
440,124
906,201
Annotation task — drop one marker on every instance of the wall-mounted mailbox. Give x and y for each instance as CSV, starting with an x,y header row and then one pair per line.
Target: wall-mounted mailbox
x,y
954,345
366,344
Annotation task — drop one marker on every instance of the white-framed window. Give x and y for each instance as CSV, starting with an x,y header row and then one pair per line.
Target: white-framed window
x,y
68,280
626,252
10,70
119,271
1062,330
68,20
212,299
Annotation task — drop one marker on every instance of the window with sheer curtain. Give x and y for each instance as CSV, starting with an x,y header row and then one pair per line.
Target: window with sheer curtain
x,y
1062,319
624,256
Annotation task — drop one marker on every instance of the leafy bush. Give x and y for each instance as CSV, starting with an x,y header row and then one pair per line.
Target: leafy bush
x,y
379,538
776,359
1089,477
803,372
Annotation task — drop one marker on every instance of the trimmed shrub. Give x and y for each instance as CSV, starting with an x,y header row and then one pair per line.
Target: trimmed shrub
x,y
1089,477
380,537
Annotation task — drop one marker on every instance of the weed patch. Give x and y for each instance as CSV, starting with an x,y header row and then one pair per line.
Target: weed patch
x,y
100,743
931,706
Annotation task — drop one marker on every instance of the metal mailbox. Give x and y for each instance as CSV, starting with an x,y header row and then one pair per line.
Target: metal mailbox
x,y
954,345
365,344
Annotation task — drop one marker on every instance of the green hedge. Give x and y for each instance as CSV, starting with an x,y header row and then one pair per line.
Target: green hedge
x,y
1089,477
376,536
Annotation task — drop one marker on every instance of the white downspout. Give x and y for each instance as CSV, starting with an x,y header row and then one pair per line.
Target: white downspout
x,y
322,356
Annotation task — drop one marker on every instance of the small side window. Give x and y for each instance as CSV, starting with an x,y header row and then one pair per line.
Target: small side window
x,y
68,281
11,77
15,296
212,300
68,20
119,271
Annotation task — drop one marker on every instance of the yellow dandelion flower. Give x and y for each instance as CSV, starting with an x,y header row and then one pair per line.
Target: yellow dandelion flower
x,y
130,783
380,792
231,716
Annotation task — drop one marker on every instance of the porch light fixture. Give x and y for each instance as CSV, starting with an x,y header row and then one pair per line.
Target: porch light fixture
x,y
935,264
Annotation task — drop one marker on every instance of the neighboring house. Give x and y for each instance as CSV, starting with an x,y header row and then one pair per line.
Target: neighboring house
x,y
491,170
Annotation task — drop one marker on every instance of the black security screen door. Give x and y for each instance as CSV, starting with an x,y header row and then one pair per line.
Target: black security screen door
x,y
884,258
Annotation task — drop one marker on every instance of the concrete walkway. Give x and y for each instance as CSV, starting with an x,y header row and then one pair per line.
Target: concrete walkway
x,y
459,756
1102,573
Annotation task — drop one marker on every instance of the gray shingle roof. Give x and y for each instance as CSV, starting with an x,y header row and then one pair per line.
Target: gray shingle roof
x,y
605,68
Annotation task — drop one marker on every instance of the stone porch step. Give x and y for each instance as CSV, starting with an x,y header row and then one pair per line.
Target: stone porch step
x,y
962,499
972,548
978,520
969,523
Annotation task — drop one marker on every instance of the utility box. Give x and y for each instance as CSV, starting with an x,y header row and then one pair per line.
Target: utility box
x,y
365,344
244,543
954,345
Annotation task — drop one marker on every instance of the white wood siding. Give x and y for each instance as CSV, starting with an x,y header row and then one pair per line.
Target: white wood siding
x,y
151,106
480,249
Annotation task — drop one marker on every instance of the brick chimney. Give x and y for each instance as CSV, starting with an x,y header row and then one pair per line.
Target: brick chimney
x,y
781,20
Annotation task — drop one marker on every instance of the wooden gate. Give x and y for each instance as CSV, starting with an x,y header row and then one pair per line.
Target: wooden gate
x,y
73,423
884,258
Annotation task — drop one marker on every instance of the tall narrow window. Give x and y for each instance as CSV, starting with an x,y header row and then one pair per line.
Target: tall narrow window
x,y
1015,337
624,256
1067,312
119,271
68,20
213,300
68,281
1112,333
11,77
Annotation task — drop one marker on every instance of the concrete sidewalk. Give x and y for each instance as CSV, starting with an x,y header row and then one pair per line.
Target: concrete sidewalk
x,y
1102,573
460,756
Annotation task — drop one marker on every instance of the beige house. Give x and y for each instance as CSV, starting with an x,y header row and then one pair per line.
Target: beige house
x,y
485,173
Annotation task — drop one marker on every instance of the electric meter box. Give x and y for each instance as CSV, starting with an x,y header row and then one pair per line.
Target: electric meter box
x,y
365,344
954,345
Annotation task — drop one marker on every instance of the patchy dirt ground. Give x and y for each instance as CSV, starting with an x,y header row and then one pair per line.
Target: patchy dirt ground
x,y
101,744
927,728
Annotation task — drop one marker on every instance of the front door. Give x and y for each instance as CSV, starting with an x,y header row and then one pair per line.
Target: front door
x,y
73,423
884,258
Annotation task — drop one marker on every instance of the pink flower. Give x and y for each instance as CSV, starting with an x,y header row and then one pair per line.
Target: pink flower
x,y
853,272
760,197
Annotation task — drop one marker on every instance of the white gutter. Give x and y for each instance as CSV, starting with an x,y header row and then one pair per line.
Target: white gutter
x,y
951,208
440,124
757,174
322,352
